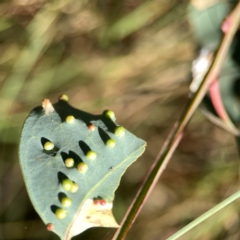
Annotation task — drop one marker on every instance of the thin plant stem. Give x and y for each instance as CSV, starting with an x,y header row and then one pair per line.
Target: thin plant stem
x,y
145,190
205,216
174,137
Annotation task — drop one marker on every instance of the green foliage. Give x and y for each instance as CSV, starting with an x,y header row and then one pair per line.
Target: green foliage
x,y
79,196
206,26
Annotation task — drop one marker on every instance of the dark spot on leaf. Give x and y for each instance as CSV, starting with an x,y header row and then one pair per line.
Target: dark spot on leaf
x,y
104,136
54,208
61,195
44,140
76,157
85,148
109,123
64,109
61,177
64,155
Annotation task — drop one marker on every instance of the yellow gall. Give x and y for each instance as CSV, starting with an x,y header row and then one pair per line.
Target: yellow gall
x,y
66,202
111,143
61,213
74,187
70,119
67,184
48,146
82,167
119,131
69,162
110,114
91,155
64,97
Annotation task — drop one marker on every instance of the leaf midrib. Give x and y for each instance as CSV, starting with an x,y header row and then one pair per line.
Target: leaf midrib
x,y
96,186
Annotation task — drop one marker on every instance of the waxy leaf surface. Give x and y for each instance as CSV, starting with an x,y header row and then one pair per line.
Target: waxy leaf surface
x,y
45,172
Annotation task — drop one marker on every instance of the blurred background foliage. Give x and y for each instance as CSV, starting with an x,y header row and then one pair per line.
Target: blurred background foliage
x,y
133,57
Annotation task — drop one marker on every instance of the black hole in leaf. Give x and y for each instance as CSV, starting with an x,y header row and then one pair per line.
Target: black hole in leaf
x,y
109,123
75,156
61,195
44,140
61,177
104,136
64,110
64,156
54,208
85,148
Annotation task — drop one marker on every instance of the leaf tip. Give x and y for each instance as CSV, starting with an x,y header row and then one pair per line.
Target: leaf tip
x,y
93,214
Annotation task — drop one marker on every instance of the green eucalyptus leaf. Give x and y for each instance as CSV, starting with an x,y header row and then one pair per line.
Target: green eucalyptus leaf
x,y
72,196
206,26
206,23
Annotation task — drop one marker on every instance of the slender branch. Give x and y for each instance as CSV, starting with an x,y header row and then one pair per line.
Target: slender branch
x,y
150,181
177,132
219,122
214,92
205,216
